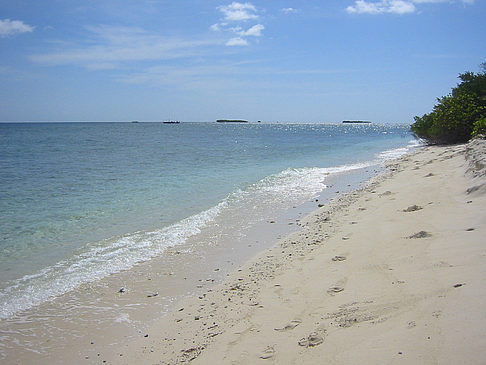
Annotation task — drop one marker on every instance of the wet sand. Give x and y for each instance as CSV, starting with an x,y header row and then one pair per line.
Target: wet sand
x,y
392,273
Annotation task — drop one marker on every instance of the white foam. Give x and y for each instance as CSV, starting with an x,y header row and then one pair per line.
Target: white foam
x,y
303,181
395,153
98,261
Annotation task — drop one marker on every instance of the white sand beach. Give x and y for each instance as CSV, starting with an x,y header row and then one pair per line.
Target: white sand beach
x,y
390,274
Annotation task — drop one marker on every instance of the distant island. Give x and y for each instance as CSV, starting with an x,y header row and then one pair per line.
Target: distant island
x,y
356,122
171,122
231,121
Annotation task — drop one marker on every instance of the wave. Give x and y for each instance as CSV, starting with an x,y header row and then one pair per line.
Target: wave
x,y
395,153
97,261
101,259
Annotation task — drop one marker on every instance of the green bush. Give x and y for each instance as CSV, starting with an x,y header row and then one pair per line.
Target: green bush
x,y
479,128
422,127
457,116
451,121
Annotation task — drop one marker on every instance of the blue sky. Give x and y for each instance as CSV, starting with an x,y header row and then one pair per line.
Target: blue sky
x,y
200,60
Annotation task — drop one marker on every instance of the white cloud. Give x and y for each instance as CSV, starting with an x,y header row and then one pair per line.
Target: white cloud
x,y
255,31
10,27
237,42
289,10
380,7
401,7
235,13
362,7
238,11
392,6
215,27
440,1
108,47
429,1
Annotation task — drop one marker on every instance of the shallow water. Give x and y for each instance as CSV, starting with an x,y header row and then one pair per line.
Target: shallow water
x,y
83,203
90,199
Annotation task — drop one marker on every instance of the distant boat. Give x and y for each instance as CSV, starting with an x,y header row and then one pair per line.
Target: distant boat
x,y
231,121
171,122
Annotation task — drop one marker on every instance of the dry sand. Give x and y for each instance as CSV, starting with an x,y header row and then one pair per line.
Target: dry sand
x,y
390,274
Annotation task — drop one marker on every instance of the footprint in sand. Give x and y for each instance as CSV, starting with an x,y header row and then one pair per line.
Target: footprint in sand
x,y
312,340
290,326
412,208
335,289
268,353
421,234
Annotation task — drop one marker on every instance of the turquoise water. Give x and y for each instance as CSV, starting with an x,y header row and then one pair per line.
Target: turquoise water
x,y
80,201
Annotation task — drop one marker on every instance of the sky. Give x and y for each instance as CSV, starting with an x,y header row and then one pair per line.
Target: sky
x,y
202,60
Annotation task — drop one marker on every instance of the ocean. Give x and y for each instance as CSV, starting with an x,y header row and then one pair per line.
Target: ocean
x,y
82,203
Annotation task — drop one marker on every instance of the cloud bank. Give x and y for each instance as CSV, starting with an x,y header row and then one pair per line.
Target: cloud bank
x,y
108,47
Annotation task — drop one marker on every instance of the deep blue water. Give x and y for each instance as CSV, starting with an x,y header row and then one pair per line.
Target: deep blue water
x,y
79,201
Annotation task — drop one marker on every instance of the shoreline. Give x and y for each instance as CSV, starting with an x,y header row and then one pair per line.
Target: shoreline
x,y
57,250
392,271
98,318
